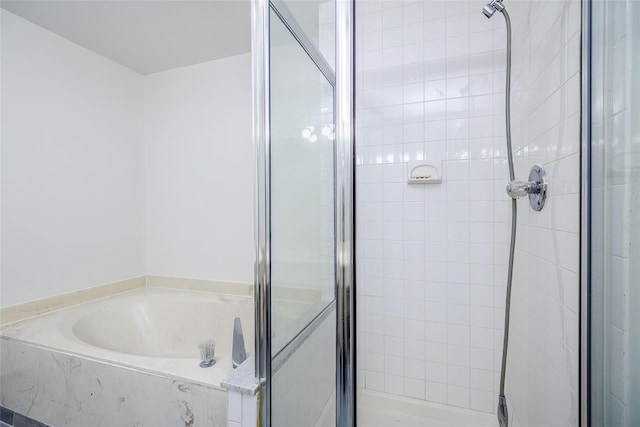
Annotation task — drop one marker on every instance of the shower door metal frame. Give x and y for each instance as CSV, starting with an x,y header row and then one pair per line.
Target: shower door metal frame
x,y
344,108
261,111
345,215
585,216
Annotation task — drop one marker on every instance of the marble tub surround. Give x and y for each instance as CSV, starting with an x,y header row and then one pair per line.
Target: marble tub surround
x,y
128,359
62,389
242,395
151,329
45,305
243,378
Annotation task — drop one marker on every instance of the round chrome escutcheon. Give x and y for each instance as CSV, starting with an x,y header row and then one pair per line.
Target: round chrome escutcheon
x,y
539,176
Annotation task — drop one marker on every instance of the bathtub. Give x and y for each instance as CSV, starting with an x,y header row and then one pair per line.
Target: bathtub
x,y
152,329
143,342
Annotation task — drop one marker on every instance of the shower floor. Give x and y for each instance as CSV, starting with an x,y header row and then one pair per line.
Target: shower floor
x,y
377,409
384,410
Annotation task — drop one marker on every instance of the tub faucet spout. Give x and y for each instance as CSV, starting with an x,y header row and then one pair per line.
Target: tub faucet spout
x,y
238,353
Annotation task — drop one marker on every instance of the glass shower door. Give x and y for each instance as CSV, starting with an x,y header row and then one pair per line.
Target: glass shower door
x,y
615,219
304,244
302,185
302,233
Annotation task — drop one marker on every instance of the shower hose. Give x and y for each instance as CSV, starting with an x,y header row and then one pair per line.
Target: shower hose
x,y
503,414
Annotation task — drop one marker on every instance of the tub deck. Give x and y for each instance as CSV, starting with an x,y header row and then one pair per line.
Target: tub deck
x,y
60,368
55,331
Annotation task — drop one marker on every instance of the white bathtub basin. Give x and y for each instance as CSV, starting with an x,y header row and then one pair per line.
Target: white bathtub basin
x,y
157,327
148,328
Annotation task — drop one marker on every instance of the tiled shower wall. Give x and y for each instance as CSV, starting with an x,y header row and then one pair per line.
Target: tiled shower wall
x,y
431,258
542,373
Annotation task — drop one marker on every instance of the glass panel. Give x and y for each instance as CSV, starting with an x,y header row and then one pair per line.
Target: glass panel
x,y
317,19
615,267
302,236
302,186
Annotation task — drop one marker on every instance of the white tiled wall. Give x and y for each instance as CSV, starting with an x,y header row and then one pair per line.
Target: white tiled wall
x,y
542,373
242,409
431,258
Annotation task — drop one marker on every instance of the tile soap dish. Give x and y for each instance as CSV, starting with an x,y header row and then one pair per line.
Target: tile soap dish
x,y
421,172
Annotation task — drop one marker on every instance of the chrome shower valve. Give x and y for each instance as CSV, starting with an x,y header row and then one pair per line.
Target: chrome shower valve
x,y
517,189
535,188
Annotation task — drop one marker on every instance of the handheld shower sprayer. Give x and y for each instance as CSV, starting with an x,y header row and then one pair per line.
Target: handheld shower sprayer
x,y
492,7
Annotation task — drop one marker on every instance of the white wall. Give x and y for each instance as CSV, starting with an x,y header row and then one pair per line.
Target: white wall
x,y
72,166
199,165
431,258
108,175
542,373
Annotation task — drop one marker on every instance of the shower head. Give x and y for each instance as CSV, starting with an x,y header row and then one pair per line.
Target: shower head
x,y
488,11
492,7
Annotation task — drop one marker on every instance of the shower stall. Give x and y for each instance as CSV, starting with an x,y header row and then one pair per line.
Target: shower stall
x,y
446,227
423,282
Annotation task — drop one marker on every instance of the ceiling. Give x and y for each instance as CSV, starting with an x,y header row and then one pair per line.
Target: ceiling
x,y
147,36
